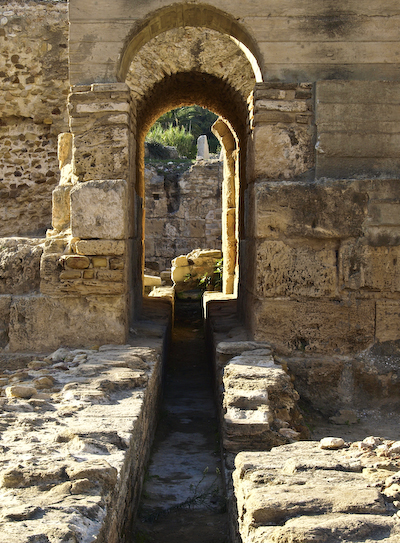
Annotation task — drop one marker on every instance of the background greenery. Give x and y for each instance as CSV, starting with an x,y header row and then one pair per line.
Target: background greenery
x,y
181,127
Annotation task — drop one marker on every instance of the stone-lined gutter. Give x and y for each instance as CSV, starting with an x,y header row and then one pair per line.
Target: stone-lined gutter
x,y
283,489
76,429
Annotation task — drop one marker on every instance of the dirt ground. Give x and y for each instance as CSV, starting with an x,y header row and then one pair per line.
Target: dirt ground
x,y
370,423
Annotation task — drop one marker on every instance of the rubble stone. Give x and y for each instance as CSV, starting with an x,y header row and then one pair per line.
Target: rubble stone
x,y
299,492
71,461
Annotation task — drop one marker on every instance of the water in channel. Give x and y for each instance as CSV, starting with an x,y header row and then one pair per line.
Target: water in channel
x,y
183,497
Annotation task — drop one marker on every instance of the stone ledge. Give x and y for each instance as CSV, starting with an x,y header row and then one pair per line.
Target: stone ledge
x,y
75,447
300,491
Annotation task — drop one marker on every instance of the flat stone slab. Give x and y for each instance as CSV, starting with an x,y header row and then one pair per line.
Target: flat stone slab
x,y
75,431
301,492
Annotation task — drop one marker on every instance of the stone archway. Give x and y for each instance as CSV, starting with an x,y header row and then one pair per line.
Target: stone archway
x,y
207,91
183,66
98,208
185,16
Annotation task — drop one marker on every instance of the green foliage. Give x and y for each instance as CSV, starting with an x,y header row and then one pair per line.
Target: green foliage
x,y
176,136
212,281
194,120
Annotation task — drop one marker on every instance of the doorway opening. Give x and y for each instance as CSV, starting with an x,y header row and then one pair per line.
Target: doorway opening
x,y
179,56
183,90
183,201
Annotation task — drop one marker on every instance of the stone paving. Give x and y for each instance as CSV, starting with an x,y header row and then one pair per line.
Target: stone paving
x,y
327,492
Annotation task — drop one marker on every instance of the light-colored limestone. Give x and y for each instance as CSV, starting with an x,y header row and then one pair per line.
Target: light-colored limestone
x,y
61,213
99,210
331,443
19,264
203,152
258,401
151,281
284,270
373,268
78,475
74,321
34,87
357,129
315,325
183,210
76,262
307,210
299,491
100,247
197,270
102,143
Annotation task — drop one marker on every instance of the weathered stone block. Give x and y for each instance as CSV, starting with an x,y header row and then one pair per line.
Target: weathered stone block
x,y
315,326
67,275
40,323
297,106
49,267
180,261
381,213
61,214
306,210
100,247
387,320
19,264
357,129
366,267
151,281
99,262
282,152
103,152
336,374
115,276
259,400
99,210
117,264
88,274
299,490
284,270
76,262
178,274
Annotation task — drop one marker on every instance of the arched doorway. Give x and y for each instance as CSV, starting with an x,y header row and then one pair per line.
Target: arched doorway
x,y
179,55
193,65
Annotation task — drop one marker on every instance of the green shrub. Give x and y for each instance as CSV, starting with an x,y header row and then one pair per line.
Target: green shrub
x,y
175,136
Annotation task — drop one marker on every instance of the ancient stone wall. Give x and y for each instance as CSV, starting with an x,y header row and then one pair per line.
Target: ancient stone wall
x,y
292,41
80,475
183,212
324,250
317,205
34,86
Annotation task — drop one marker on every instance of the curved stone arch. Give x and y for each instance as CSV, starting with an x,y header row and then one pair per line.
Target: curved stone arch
x,y
231,128
188,15
190,49
189,88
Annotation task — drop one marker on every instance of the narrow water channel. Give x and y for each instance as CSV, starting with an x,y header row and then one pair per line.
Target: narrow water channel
x,y
183,498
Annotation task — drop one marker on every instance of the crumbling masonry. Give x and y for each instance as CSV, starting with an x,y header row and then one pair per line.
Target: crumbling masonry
x,y
308,95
